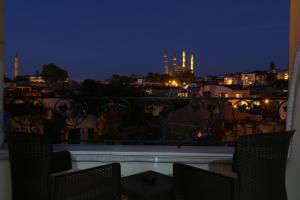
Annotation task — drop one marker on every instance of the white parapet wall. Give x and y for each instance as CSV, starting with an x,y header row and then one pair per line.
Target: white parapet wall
x,y
136,159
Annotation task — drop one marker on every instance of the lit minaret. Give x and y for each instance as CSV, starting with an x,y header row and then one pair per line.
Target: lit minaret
x,y
192,63
17,65
183,59
166,68
174,62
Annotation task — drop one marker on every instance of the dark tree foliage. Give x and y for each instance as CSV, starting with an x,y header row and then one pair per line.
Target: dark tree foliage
x,y
185,77
7,79
271,78
153,77
120,80
53,73
91,87
119,86
272,66
21,79
281,84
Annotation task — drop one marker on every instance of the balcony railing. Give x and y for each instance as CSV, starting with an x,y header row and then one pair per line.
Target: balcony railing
x,y
68,118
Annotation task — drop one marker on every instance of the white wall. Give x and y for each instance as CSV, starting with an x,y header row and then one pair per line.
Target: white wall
x,y
293,119
294,35
5,184
293,122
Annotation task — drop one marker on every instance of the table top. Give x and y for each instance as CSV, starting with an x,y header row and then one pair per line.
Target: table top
x,y
143,185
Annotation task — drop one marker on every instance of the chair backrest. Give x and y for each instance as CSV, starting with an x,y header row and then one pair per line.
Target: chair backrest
x,y
261,166
193,183
29,157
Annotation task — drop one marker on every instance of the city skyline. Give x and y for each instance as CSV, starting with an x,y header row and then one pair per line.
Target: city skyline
x,y
232,38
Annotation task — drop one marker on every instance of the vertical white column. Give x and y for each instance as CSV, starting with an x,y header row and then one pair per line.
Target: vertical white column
x,y
294,35
292,122
1,70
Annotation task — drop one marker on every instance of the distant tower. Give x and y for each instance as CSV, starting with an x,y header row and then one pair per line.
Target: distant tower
x,y
174,62
17,65
166,68
192,64
183,59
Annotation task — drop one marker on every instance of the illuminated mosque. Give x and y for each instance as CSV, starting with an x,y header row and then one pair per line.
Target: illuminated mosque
x,y
178,68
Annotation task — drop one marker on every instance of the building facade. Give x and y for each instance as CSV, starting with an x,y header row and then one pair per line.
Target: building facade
x,y
232,79
254,78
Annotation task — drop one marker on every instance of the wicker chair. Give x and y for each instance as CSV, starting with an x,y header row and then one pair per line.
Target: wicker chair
x,y
37,173
260,163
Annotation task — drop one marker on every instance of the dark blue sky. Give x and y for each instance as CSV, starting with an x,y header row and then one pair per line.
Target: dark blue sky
x,y
97,38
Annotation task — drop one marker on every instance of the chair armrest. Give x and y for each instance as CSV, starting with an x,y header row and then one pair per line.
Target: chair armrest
x,y
63,172
101,182
229,174
60,161
220,165
192,183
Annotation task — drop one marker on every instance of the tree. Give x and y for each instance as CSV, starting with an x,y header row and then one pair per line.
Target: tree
x,y
21,79
153,77
53,73
119,86
271,78
91,87
272,66
281,84
120,80
185,77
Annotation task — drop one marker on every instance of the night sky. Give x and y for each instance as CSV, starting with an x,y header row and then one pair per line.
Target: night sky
x,y
97,38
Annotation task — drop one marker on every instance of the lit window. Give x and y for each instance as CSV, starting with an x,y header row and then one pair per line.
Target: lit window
x,y
286,76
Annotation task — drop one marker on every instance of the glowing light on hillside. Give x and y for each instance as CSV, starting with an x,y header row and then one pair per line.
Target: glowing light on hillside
x,y
244,103
257,103
267,101
200,134
173,83
229,81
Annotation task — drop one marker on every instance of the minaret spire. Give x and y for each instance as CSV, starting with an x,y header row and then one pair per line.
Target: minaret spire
x,y
17,65
183,59
166,68
174,62
192,64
